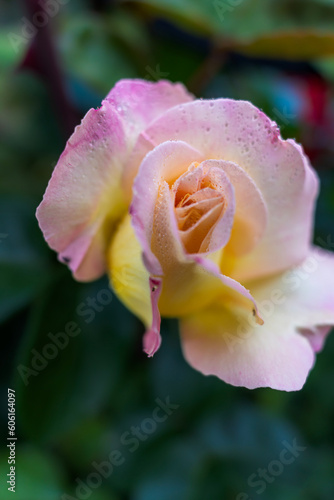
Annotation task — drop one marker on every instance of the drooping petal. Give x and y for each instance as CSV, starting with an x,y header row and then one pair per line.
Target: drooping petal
x,y
298,309
84,193
152,338
238,132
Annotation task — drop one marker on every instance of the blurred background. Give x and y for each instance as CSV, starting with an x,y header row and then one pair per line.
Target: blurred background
x,y
59,58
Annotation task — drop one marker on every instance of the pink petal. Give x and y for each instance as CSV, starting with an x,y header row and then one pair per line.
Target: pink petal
x,y
238,132
83,191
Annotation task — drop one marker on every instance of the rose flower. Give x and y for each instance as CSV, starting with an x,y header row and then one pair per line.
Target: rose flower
x,y
199,210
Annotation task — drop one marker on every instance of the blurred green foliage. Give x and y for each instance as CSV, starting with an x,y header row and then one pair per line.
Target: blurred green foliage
x,y
75,410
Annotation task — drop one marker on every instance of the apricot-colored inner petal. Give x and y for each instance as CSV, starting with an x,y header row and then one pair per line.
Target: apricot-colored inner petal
x,y
199,203
194,237
192,210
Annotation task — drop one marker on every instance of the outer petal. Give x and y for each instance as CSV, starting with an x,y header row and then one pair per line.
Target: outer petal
x,y
84,192
278,354
236,131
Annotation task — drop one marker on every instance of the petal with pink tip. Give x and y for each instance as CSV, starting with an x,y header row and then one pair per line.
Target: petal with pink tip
x,y
84,194
238,132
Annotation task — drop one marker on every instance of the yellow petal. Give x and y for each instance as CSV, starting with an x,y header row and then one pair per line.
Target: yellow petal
x,y
128,275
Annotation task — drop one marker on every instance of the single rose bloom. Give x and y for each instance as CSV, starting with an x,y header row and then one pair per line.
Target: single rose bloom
x,y
199,210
